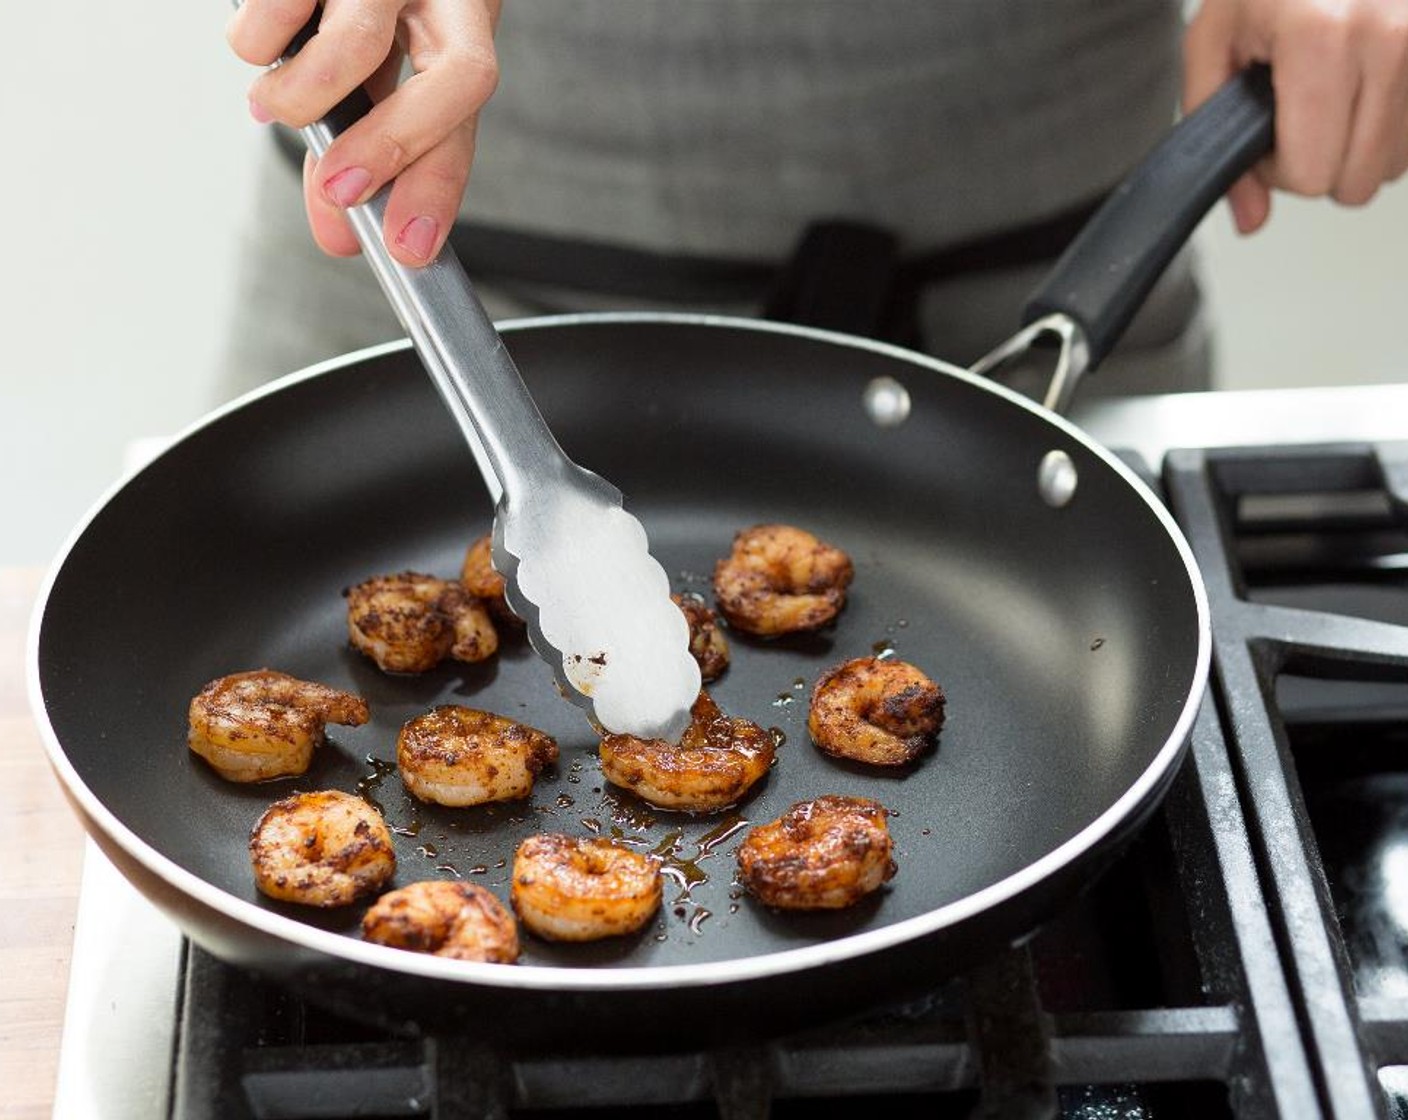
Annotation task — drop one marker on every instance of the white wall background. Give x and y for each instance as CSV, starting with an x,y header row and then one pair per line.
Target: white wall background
x,y
1315,298
127,159
127,151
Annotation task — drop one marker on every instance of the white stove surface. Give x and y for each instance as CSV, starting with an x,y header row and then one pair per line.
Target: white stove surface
x,y
1154,425
119,1024
120,1019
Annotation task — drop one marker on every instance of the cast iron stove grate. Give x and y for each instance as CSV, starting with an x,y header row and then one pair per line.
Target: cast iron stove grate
x,y
1315,705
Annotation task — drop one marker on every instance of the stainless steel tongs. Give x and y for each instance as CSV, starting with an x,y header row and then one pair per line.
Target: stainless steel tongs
x,y
577,565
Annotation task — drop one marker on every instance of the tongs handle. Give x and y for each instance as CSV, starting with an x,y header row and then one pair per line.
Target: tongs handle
x,y
453,334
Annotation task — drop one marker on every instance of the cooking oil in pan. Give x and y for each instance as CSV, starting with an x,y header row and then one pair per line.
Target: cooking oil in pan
x,y
369,785
682,860
622,816
787,699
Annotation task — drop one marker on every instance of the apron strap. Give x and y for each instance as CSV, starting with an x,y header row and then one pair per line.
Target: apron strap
x,y
839,277
842,275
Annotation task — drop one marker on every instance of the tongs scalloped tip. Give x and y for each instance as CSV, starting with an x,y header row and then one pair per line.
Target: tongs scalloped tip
x,y
597,608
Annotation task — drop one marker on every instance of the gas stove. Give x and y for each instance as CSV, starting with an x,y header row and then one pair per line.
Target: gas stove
x,y
1248,957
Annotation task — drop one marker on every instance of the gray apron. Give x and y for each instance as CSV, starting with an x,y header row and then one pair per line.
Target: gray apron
x,y
718,131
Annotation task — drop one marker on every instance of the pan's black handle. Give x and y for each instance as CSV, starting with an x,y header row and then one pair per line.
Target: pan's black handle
x,y
1107,271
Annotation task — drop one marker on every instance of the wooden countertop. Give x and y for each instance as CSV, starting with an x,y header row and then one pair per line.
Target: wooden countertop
x,y
38,877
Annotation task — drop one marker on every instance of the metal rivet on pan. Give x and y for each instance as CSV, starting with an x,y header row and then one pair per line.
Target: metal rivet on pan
x,y
1056,479
886,402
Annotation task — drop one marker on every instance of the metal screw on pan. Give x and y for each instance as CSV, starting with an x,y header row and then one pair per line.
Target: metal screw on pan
x,y
886,402
1056,477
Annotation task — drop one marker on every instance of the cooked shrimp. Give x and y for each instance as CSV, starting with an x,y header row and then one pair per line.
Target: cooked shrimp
x,y
717,760
321,849
779,579
819,855
484,583
873,710
265,724
409,623
706,641
571,889
458,920
454,755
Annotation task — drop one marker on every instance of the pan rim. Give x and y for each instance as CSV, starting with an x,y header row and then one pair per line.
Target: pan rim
x,y
620,978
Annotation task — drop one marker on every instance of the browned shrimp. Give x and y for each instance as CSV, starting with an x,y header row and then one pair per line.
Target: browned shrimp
x,y
321,849
717,760
571,889
454,755
458,920
779,579
706,640
819,855
484,583
265,724
410,622
874,710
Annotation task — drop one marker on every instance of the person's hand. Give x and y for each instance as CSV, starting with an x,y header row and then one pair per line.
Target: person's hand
x,y
1340,71
421,132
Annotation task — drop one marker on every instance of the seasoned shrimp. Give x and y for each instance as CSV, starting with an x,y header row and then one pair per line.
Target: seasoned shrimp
x,y
571,889
873,710
321,849
454,755
458,920
717,760
819,855
265,724
707,643
779,579
484,583
409,623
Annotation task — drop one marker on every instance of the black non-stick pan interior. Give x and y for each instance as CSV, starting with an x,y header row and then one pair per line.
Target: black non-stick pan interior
x,y
1066,639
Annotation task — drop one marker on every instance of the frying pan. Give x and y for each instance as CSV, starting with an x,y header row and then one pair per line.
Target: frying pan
x,y
1072,641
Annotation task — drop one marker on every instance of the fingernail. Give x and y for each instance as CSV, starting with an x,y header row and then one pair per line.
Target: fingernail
x,y
418,237
347,186
259,113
